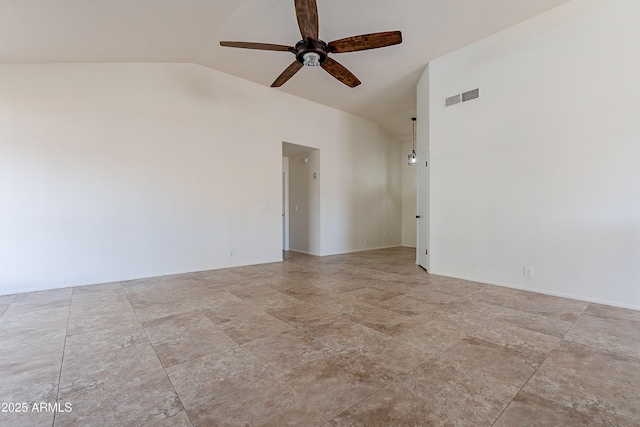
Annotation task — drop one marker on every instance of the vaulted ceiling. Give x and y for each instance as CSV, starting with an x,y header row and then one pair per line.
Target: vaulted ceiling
x,y
76,31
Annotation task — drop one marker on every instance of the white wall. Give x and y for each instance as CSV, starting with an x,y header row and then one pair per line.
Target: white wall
x,y
117,171
408,199
360,176
542,170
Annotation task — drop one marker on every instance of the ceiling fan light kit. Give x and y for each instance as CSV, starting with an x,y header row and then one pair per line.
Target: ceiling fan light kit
x,y
313,52
311,59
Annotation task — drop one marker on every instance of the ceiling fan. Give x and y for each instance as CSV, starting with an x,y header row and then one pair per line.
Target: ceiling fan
x,y
312,51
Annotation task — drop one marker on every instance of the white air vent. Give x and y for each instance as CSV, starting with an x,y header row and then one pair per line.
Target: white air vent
x,y
462,97
452,100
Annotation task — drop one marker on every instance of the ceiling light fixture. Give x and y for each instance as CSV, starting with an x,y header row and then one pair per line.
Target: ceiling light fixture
x,y
413,159
311,59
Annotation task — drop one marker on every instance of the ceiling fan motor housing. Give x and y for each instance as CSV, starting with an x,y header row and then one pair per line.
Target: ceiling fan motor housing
x,y
303,47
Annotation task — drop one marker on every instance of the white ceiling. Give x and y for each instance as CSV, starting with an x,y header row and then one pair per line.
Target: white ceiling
x,y
36,31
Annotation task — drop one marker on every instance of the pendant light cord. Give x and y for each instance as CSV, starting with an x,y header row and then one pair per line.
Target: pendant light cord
x,y
414,133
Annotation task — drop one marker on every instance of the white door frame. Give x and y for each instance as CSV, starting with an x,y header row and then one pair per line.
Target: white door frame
x,y
422,212
285,203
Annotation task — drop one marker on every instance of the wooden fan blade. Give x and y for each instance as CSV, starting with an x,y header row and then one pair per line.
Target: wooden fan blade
x,y
287,74
258,46
307,13
340,72
366,41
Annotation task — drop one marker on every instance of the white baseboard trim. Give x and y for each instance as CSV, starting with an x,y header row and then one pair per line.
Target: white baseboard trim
x,y
302,252
104,281
363,250
538,291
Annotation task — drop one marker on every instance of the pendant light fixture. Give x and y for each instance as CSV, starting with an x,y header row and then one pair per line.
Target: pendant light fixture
x,y
413,159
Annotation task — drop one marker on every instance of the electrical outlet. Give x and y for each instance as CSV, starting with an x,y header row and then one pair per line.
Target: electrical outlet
x,y
232,252
528,271
365,240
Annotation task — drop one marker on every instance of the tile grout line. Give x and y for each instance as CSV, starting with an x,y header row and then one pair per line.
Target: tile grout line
x,y
238,346
526,382
269,370
368,396
400,376
383,386
576,321
396,380
337,351
541,363
158,357
8,305
64,346
419,397
588,345
284,383
323,343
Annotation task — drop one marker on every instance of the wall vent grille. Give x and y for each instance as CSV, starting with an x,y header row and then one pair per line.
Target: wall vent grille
x,y
462,97
472,94
452,100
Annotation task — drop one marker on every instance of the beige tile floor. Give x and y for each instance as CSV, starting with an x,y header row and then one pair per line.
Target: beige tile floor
x,y
363,339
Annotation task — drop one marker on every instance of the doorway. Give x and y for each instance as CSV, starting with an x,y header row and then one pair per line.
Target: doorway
x,y
301,198
285,203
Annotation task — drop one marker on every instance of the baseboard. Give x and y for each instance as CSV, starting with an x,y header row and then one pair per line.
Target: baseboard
x,y
104,281
43,288
538,291
302,252
363,250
